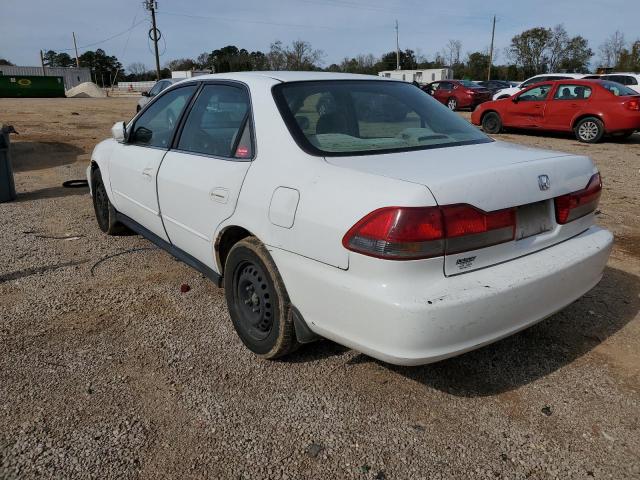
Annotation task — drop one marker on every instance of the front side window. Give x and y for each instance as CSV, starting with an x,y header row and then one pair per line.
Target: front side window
x,y
536,94
218,123
157,123
363,117
572,92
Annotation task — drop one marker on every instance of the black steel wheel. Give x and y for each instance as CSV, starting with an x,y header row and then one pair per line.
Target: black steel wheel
x,y
258,302
253,295
491,123
105,213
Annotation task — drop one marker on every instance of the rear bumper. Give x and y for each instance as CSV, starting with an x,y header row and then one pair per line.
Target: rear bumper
x,y
407,313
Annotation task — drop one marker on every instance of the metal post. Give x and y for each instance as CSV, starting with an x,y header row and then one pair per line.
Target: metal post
x,y
44,72
397,47
493,33
75,45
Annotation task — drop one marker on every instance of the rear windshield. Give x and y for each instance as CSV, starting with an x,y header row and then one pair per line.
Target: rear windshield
x,y
617,89
351,117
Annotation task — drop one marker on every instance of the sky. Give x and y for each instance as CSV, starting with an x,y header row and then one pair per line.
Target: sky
x,y
340,28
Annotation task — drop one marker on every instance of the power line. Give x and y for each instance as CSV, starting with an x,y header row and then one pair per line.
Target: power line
x,y
102,41
244,20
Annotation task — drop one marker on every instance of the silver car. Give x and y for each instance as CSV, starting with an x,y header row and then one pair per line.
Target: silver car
x,y
157,88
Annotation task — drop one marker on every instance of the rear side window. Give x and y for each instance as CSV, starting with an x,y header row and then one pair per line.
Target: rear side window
x,y
623,79
218,123
351,117
156,125
572,92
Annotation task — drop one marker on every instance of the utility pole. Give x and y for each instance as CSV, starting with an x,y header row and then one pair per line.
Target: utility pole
x,y
397,47
75,45
152,5
44,72
493,34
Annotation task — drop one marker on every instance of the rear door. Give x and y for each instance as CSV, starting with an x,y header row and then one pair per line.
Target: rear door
x,y
200,179
567,102
529,108
134,164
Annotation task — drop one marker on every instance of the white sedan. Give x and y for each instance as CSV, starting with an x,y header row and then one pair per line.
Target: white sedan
x,y
547,77
353,208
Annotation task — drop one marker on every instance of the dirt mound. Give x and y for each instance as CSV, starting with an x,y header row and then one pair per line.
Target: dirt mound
x,y
86,89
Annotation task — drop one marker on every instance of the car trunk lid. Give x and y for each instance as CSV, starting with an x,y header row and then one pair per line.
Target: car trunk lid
x,y
492,177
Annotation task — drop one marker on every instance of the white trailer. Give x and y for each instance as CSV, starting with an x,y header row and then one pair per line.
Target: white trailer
x,y
421,76
189,73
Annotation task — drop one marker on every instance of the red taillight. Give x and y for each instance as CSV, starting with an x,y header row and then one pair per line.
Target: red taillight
x,y
410,233
398,233
578,204
468,228
633,105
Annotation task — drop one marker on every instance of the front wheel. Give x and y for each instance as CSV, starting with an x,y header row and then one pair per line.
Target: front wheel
x,y
105,213
491,123
452,103
589,130
258,301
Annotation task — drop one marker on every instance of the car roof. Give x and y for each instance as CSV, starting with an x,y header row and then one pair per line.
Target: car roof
x,y
287,76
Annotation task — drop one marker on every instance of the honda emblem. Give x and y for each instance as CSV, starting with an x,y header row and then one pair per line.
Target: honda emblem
x,y
543,182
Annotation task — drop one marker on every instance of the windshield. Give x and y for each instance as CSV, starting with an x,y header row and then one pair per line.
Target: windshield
x,y
351,117
617,89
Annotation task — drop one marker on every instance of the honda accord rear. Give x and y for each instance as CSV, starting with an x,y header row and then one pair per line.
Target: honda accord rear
x,y
453,240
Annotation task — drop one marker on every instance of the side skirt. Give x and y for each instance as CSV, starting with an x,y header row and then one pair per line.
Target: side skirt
x,y
172,249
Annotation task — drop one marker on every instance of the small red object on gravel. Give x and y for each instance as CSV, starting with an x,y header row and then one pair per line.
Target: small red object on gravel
x,y
184,288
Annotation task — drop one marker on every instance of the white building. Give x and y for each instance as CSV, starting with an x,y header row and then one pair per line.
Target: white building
x,y
421,76
189,73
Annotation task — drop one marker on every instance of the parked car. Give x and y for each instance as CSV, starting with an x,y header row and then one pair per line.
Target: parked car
x,y
457,94
588,108
507,92
410,240
158,87
494,85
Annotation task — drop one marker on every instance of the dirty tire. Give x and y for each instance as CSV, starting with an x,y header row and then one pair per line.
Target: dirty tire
x,y
589,130
258,301
491,123
105,213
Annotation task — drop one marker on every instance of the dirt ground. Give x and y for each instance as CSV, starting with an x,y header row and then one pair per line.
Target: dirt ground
x,y
107,370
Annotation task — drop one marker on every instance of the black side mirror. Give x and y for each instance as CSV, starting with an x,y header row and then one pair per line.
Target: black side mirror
x,y
145,94
515,99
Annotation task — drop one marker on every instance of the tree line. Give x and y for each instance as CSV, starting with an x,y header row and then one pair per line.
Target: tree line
x,y
531,52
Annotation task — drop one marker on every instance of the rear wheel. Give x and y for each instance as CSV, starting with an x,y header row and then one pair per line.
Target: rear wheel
x,y
105,213
452,103
589,130
258,301
492,123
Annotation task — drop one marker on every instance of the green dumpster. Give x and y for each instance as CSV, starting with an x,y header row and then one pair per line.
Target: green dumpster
x,y
30,86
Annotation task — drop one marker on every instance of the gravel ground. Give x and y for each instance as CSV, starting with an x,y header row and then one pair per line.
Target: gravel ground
x,y
109,371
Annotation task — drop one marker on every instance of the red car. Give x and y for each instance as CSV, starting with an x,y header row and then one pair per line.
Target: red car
x,y
457,94
588,108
